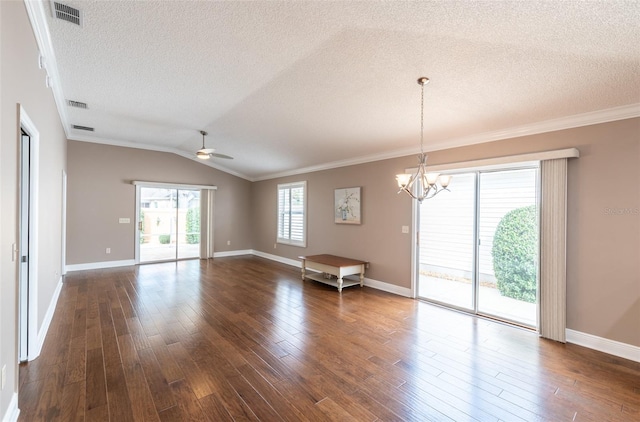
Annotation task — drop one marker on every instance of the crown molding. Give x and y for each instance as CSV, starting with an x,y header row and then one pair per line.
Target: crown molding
x,y
585,119
38,18
569,122
562,123
148,147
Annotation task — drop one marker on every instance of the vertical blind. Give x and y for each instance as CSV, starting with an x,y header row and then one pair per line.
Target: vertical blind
x,y
553,241
207,214
292,213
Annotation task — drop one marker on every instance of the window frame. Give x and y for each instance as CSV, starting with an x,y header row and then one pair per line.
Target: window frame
x,y
288,187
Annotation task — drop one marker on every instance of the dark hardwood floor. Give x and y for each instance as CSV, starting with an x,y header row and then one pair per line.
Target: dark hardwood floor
x,y
245,339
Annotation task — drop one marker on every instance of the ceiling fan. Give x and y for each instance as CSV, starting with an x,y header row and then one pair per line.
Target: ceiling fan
x,y
206,153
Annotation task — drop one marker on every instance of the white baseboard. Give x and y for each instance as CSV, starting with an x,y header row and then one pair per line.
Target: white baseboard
x,y
12,413
387,287
605,345
232,253
100,265
281,259
46,322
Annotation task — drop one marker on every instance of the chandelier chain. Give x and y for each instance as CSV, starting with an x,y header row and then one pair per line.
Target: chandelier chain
x,y
422,120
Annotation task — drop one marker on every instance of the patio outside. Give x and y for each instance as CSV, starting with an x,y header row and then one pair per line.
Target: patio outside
x,y
159,252
493,303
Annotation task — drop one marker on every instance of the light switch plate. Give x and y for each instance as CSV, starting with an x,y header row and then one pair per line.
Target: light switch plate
x,y
405,229
124,220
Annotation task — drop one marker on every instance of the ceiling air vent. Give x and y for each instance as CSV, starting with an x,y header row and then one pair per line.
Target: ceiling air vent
x,y
90,129
66,13
76,104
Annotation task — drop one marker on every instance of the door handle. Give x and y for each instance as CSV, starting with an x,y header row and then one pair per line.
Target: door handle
x,y
140,225
24,259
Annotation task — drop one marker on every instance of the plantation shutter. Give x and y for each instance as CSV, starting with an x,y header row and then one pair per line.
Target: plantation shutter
x,y
292,213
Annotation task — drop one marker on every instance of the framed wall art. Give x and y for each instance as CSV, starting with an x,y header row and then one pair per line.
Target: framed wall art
x,y
347,205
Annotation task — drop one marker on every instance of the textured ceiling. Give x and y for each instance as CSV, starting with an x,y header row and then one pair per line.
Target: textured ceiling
x,y
282,86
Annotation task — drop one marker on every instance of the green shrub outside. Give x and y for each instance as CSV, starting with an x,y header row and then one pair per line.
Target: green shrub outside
x,y
164,239
515,254
193,226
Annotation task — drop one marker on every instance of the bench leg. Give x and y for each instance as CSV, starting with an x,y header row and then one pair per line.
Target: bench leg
x,y
340,284
361,279
303,273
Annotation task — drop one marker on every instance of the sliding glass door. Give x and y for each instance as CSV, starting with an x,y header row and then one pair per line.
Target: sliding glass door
x,y
169,224
508,245
478,245
447,224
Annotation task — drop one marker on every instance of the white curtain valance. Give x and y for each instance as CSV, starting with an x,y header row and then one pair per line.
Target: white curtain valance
x,y
169,185
503,162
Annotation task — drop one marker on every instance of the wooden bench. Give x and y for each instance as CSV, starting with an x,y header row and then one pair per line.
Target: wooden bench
x,y
334,265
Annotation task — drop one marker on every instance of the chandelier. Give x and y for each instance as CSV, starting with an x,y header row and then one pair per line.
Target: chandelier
x,y
428,185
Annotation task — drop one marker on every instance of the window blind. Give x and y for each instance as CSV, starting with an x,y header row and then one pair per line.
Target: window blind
x,y
292,213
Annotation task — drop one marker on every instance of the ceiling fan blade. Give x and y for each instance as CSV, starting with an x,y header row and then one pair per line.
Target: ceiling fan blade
x,y
207,150
213,154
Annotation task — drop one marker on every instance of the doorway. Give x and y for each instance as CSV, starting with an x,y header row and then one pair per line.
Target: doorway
x,y
478,245
28,142
168,224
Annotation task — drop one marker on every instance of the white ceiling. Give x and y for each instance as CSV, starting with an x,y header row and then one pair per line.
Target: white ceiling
x,y
285,86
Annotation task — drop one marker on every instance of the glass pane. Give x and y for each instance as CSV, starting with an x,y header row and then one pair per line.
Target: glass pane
x,y
158,217
188,236
446,244
508,251
297,214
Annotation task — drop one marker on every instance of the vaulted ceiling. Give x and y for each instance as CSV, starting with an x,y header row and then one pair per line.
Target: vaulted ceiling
x,y
288,86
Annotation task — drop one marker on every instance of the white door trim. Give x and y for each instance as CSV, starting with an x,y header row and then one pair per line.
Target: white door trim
x,y
28,126
63,252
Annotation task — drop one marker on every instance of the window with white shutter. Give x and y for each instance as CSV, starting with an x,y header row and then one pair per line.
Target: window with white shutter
x,y
292,213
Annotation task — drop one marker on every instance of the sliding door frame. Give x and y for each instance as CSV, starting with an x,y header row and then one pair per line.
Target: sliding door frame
x,y
206,219
475,283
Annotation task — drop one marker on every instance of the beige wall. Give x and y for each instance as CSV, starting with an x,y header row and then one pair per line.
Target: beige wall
x,y
100,192
378,239
603,273
22,82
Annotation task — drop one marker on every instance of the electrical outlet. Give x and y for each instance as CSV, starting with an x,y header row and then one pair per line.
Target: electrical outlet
x,y
108,250
4,376
275,246
228,243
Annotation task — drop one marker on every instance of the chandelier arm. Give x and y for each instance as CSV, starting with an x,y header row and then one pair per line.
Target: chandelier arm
x,y
408,192
437,191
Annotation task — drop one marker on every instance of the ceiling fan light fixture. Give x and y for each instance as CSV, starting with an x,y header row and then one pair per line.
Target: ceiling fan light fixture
x,y
203,155
206,153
